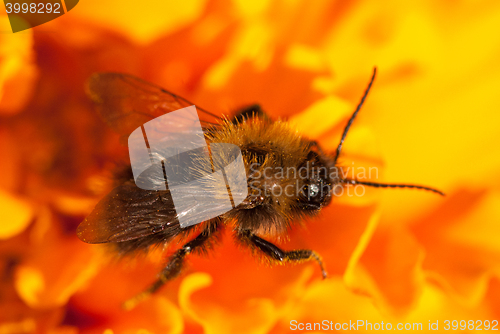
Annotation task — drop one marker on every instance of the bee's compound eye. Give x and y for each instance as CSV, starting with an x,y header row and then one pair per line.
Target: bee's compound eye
x,y
313,190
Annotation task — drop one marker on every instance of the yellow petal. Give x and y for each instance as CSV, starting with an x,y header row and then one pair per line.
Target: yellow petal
x,y
321,116
30,284
257,316
305,58
16,215
18,72
144,23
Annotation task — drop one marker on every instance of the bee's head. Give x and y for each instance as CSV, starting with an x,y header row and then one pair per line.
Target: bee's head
x,y
318,184
283,188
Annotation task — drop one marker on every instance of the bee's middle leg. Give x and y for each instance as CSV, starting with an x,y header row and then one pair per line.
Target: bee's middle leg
x,y
275,253
174,265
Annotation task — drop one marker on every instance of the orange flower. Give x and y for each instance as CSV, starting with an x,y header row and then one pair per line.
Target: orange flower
x,y
396,256
18,72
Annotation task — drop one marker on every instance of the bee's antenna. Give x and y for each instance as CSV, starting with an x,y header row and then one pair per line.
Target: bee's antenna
x,y
390,185
360,104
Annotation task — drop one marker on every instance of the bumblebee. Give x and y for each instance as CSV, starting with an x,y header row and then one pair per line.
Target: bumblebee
x,y
135,219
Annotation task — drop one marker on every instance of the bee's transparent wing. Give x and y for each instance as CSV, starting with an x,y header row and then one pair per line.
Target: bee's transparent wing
x,y
202,186
129,212
126,102
199,188
166,143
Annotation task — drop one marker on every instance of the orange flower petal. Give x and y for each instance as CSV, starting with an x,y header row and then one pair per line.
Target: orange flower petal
x,y
390,271
462,245
56,269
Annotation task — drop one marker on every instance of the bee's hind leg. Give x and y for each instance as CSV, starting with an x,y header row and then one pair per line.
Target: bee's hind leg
x,y
276,254
174,266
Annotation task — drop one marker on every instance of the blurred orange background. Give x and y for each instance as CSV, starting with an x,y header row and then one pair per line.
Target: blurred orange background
x,y
397,256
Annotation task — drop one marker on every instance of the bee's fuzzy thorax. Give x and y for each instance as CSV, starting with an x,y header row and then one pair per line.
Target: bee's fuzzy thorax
x,y
277,137
273,152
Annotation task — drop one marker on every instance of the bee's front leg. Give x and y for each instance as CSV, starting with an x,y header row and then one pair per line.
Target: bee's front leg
x,y
276,254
